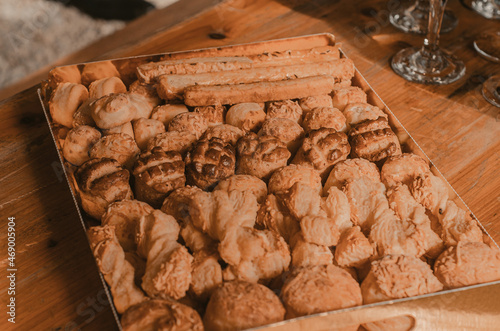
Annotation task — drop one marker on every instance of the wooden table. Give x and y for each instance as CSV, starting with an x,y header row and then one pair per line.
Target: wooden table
x,y
57,285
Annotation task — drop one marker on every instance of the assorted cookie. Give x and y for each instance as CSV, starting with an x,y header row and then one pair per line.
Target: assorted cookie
x,y
235,190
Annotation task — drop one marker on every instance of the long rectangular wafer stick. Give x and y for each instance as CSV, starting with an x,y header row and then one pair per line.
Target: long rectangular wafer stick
x,y
277,45
149,72
258,92
171,87
291,57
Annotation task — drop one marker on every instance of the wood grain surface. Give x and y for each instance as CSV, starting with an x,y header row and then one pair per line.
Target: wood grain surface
x,y
57,285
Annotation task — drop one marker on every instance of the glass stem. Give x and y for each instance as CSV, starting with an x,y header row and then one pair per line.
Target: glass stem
x,y
422,4
431,41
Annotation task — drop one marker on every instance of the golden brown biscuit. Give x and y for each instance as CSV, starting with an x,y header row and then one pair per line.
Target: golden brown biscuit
x,y
306,254
412,236
288,131
118,272
165,113
404,168
358,112
126,128
258,92
284,109
322,149
177,204
145,130
457,225
98,70
113,110
319,230
317,289
274,216
83,115
366,199
65,74
284,178
123,216
468,263
353,249
253,254
141,103
195,239
213,114
168,271
219,212
241,305
206,275
337,208
156,174
173,141
324,117
168,263
287,57
118,146
165,315
152,71
105,86
65,100
190,122
259,156
301,200
415,222
246,116
344,96
396,277
101,182
147,91
309,103
244,183
226,132
431,192
374,140
351,169
209,162
78,142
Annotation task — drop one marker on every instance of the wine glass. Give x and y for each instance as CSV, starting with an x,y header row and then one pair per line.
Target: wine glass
x,y
429,64
491,90
487,44
415,16
486,8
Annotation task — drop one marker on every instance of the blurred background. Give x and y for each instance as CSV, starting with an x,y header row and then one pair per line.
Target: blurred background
x,y
35,33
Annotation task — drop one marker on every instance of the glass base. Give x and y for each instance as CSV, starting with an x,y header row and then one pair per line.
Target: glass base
x,y
491,90
486,8
487,44
416,65
416,18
